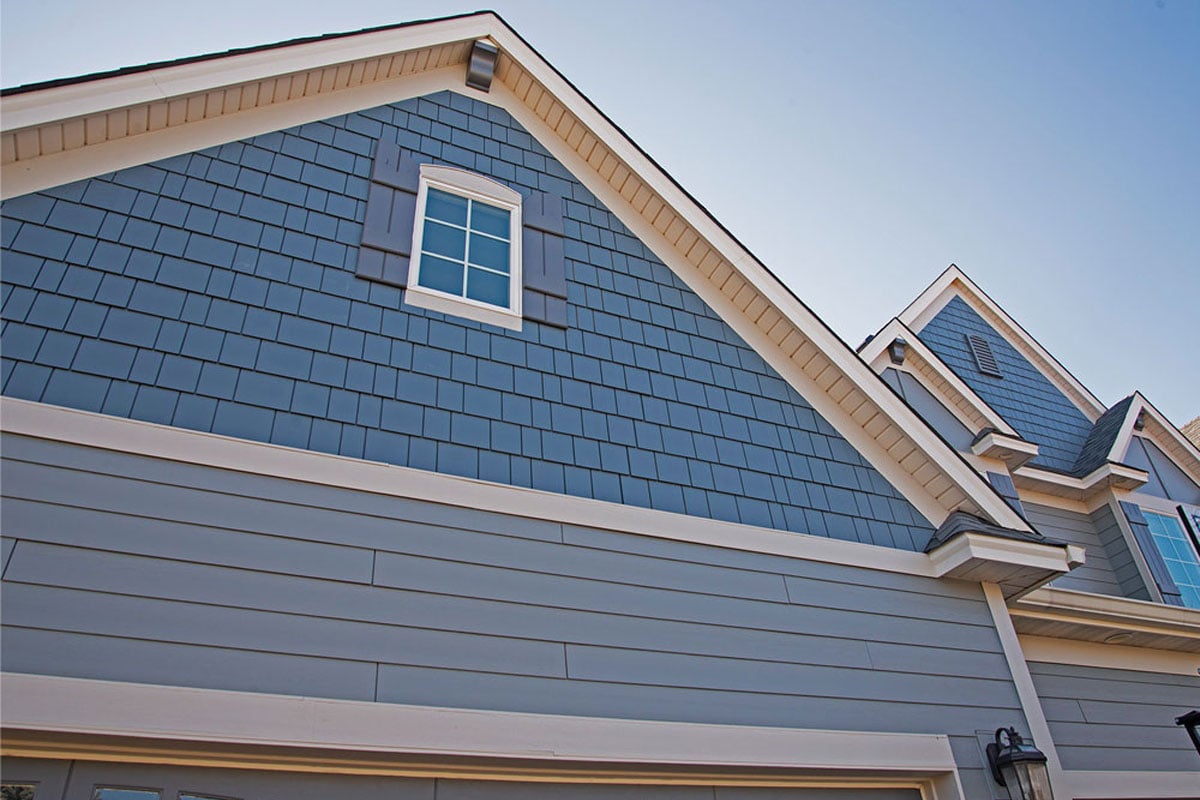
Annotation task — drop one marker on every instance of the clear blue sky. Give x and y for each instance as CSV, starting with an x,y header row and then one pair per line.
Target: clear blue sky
x,y
1051,150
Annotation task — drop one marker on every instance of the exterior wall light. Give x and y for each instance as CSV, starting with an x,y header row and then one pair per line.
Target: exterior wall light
x,y
896,350
1019,767
1190,720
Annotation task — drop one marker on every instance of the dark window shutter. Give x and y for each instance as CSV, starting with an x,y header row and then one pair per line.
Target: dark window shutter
x,y
1154,559
391,213
543,263
1004,486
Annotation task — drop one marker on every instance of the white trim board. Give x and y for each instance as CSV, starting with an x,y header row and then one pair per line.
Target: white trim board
x,y
90,429
1113,785
1039,729
109,708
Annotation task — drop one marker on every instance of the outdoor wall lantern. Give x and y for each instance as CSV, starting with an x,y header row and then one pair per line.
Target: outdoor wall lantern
x,y
896,350
1019,767
1190,720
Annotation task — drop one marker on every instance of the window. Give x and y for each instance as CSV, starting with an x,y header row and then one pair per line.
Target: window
x,y
114,793
17,791
467,247
1178,552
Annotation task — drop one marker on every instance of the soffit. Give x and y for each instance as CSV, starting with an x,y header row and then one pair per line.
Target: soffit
x,y
1067,614
133,109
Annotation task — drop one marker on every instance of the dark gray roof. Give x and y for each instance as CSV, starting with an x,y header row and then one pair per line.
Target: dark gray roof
x,y
961,522
1100,441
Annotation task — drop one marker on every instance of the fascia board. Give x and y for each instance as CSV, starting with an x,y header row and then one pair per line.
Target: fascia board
x,y
105,94
955,282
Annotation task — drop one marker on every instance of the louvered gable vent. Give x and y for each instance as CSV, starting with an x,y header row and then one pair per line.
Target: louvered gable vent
x,y
984,358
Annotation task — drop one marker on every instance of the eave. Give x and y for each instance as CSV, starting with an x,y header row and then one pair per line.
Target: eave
x,y
1103,478
1067,614
66,133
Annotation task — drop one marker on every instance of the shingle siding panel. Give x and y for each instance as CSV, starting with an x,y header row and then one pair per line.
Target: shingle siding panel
x,y
1024,397
274,313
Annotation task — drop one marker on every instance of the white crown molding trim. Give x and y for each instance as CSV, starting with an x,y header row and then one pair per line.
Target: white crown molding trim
x,y
109,708
90,429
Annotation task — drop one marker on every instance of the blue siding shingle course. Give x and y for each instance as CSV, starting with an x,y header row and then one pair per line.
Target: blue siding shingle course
x,y
234,268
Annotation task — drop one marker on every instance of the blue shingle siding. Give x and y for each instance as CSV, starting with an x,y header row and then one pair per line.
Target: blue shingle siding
x,y
1024,397
216,291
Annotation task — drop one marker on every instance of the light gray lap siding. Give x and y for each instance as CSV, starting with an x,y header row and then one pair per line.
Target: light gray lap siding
x,y
1097,574
1113,719
260,584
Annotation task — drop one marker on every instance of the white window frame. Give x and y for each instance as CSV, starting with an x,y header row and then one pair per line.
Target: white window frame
x,y
477,188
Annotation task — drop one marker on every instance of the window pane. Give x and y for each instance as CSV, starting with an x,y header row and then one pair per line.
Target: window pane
x,y
17,791
489,219
1179,555
105,793
489,253
447,207
438,273
444,240
487,287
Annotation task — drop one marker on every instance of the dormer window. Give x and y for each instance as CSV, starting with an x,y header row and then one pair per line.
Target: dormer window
x,y
468,246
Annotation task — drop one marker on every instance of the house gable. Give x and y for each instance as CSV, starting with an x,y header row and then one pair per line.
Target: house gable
x,y
1026,399
647,398
192,106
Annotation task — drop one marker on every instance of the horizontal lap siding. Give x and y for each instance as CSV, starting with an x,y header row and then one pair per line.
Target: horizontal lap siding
x,y
1097,574
1112,719
129,568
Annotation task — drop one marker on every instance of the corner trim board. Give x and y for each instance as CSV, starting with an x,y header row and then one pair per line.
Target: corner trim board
x,y
1039,729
